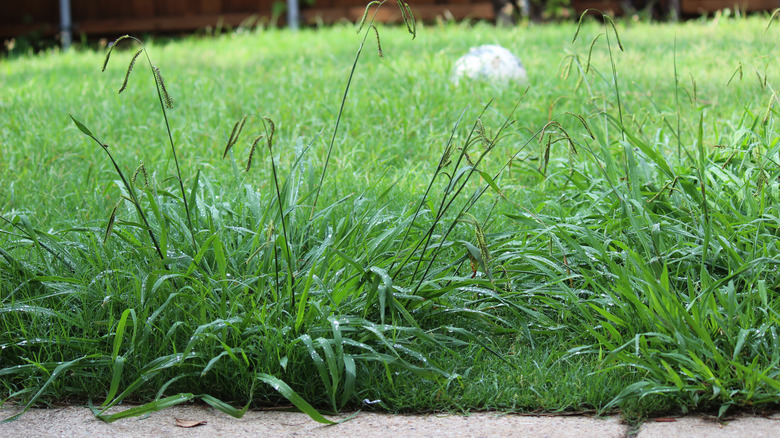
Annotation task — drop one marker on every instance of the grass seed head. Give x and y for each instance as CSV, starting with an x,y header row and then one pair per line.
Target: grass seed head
x,y
142,170
110,225
167,100
269,232
130,69
234,135
545,155
482,134
408,18
111,46
270,132
446,157
378,43
362,21
482,243
252,152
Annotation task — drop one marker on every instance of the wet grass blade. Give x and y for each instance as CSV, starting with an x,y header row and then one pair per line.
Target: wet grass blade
x,y
294,398
55,374
147,408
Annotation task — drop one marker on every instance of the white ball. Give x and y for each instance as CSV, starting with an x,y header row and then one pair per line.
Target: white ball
x,y
490,63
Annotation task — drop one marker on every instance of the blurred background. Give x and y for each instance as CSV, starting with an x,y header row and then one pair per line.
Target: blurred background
x,y
34,24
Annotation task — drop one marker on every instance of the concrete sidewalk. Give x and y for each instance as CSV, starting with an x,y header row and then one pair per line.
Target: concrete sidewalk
x,y
78,422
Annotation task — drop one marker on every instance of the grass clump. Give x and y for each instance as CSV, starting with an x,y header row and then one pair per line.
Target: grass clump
x,y
609,247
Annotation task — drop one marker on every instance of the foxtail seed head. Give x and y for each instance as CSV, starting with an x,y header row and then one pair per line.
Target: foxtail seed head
x,y
167,100
252,152
129,69
111,46
270,132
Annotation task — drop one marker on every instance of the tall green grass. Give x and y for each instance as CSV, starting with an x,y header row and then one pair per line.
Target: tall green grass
x,y
617,241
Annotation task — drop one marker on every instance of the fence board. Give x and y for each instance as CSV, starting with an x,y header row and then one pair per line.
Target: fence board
x,y
704,6
143,8
211,6
392,14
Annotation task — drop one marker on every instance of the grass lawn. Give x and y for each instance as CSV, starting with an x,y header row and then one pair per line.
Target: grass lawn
x,y
606,240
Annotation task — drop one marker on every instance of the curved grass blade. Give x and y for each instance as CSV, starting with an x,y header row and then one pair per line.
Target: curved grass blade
x,y
294,398
224,407
54,375
148,408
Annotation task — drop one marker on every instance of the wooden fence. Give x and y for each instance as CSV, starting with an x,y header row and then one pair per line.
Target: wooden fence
x,y
102,17
687,8
116,17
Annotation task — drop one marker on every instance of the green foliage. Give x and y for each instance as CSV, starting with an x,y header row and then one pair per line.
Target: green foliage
x,y
612,249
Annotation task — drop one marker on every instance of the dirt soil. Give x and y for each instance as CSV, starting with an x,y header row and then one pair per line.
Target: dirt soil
x,y
75,421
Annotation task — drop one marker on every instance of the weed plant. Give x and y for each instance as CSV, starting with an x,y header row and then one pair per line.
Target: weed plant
x,y
620,254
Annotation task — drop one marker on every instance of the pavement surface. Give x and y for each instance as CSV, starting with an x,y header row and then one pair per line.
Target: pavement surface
x,y
75,421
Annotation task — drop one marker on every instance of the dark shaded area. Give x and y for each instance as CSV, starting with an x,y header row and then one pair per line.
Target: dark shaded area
x,y
34,25
509,12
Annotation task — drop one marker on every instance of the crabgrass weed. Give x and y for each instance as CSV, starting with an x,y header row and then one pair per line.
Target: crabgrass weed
x,y
313,226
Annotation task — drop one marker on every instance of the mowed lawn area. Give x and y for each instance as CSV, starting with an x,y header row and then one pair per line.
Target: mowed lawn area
x,y
603,238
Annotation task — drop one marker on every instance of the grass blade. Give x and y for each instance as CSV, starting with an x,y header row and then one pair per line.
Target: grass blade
x,y
294,398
